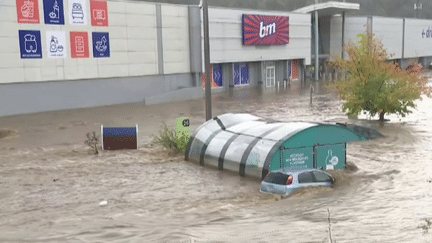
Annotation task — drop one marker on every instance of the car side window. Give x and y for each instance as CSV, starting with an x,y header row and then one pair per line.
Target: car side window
x,y
321,177
277,178
305,177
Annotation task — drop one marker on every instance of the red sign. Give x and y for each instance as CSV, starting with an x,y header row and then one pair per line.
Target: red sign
x,y
265,30
28,11
79,44
99,13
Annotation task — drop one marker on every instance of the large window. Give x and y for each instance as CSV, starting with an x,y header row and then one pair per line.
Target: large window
x,y
270,76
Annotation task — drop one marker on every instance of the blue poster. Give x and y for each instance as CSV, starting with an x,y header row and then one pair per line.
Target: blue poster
x,y
101,46
30,44
217,74
53,12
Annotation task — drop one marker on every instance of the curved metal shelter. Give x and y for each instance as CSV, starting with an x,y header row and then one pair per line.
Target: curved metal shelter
x,y
254,146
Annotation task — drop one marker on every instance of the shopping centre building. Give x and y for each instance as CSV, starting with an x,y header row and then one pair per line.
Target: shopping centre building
x,y
66,54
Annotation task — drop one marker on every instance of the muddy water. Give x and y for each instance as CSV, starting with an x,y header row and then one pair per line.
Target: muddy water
x,y
51,187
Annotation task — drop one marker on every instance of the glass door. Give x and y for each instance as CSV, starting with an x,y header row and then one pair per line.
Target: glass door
x,y
270,76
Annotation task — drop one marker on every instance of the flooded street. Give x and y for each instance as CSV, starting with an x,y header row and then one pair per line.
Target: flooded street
x,y
51,187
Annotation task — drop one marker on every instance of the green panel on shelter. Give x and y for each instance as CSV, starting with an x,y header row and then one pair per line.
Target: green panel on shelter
x,y
330,157
276,161
298,158
321,134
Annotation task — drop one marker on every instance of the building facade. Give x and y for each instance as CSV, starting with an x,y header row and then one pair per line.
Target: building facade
x,y
66,54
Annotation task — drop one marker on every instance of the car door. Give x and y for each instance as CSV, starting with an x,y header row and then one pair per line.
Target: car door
x,y
275,182
305,179
322,179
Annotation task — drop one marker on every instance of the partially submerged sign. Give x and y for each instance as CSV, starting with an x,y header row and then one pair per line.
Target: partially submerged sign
x,y
182,127
116,138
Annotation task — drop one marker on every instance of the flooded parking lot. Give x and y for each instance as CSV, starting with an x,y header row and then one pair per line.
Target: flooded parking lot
x,y
51,187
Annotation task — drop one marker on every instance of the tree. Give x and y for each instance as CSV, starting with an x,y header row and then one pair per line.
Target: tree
x,y
376,85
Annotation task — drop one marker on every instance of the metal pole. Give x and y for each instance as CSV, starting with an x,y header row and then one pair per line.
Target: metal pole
x,y
343,35
207,61
316,46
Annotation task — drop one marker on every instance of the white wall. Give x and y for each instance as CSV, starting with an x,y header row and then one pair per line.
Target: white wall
x,y
175,36
390,32
415,44
133,44
353,27
226,41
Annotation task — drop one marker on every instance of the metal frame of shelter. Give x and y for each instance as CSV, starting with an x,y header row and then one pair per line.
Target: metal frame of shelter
x,y
253,146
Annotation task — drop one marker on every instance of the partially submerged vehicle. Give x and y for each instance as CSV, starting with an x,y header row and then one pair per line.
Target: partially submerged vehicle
x,y
285,182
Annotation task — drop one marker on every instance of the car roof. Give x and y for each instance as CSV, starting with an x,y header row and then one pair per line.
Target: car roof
x,y
296,170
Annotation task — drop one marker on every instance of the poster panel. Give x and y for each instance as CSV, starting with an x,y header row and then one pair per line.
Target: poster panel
x,y
77,12
99,13
53,12
330,157
300,157
30,44
56,44
79,44
27,11
101,46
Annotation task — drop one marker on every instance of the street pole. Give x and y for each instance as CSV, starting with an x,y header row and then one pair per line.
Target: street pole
x,y
207,61
316,46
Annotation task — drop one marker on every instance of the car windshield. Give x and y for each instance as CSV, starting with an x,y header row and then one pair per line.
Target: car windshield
x,y
277,178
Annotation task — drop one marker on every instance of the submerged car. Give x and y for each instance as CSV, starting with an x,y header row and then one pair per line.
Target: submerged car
x,y
285,182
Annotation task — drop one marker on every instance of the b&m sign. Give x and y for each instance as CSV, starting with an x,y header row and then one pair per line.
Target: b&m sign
x,y
265,30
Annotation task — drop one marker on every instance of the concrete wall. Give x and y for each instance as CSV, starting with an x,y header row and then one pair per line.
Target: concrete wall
x,y
226,43
21,98
133,44
390,32
410,42
353,27
150,58
175,36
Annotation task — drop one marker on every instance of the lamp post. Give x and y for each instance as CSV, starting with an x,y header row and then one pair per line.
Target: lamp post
x,y
207,61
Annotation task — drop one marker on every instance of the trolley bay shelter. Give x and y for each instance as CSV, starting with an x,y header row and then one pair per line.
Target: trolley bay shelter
x,y
253,146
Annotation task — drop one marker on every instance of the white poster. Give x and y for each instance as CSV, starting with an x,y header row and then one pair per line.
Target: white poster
x,y
56,44
77,12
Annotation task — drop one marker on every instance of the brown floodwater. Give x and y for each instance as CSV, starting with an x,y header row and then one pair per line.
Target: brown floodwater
x,y
53,190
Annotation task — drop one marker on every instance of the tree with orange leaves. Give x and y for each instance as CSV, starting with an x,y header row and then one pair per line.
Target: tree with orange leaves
x,y
375,85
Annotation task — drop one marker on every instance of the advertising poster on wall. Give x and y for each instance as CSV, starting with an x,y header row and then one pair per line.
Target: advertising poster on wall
x,y
99,13
56,44
101,47
30,44
79,44
53,12
265,30
28,11
216,76
77,12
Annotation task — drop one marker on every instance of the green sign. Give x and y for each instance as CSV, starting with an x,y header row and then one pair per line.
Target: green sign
x,y
301,157
330,157
182,127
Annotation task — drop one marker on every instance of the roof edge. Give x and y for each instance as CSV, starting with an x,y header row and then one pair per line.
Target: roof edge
x,y
331,4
